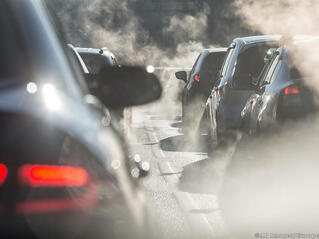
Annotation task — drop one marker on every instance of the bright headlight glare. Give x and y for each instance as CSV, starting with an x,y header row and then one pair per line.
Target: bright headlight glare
x,y
32,87
51,98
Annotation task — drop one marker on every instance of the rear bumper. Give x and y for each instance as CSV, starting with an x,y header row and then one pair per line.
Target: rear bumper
x,y
57,225
68,218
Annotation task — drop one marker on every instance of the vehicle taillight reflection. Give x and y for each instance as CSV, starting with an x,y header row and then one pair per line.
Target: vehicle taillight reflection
x,y
3,173
52,176
292,90
196,77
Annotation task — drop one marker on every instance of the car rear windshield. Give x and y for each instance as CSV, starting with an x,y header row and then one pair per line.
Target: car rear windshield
x,y
94,63
12,60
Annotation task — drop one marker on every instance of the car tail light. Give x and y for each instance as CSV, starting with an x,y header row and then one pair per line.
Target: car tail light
x,y
291,90
196,77
3,173
52,176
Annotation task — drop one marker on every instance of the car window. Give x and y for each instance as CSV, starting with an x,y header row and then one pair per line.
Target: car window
x,y
270,73
251,61
210,67
95,62
227,61
208,63
195,64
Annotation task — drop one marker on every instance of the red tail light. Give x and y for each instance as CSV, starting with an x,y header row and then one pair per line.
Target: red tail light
x,y
196,77
3,173
52,176
291,90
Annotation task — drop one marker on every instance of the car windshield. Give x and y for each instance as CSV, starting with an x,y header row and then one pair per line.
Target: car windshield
x,y
94,62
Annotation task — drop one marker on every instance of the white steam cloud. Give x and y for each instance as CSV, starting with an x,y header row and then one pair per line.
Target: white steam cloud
x,y
271,185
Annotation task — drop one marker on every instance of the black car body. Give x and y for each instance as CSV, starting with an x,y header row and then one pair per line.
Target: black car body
x,y
63,173
281,94
199,84
242,65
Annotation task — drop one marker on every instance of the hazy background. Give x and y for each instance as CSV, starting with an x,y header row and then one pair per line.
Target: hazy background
x,y
161,32
272,185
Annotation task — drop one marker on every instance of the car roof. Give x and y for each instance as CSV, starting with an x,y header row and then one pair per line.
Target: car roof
x,y
215,50
257,39
95,51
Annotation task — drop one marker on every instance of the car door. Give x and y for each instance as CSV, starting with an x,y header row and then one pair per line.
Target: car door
x,y
237,91
188,86
212,102
265,104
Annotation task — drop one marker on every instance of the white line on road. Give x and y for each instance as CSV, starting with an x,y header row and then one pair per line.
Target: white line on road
x,y
156,140
191,200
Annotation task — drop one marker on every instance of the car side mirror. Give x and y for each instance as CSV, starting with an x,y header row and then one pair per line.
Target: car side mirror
x,y
125,86
181,75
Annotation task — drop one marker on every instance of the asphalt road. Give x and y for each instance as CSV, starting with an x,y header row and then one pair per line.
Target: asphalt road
x,y
179,194
258,195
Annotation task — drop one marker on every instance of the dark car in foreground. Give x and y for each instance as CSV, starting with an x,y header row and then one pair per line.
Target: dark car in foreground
x,y
243,64
199,84
281,93
63,173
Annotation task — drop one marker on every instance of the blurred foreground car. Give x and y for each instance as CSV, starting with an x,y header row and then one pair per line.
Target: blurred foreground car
x,y
199,84
63,174
243,64
281,92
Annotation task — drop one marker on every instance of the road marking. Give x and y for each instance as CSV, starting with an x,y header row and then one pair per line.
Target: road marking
x,y
156,140
172,171
185,199
153,137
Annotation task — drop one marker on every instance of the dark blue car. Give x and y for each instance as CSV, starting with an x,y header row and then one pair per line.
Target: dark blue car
x,y
282,92
243,64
